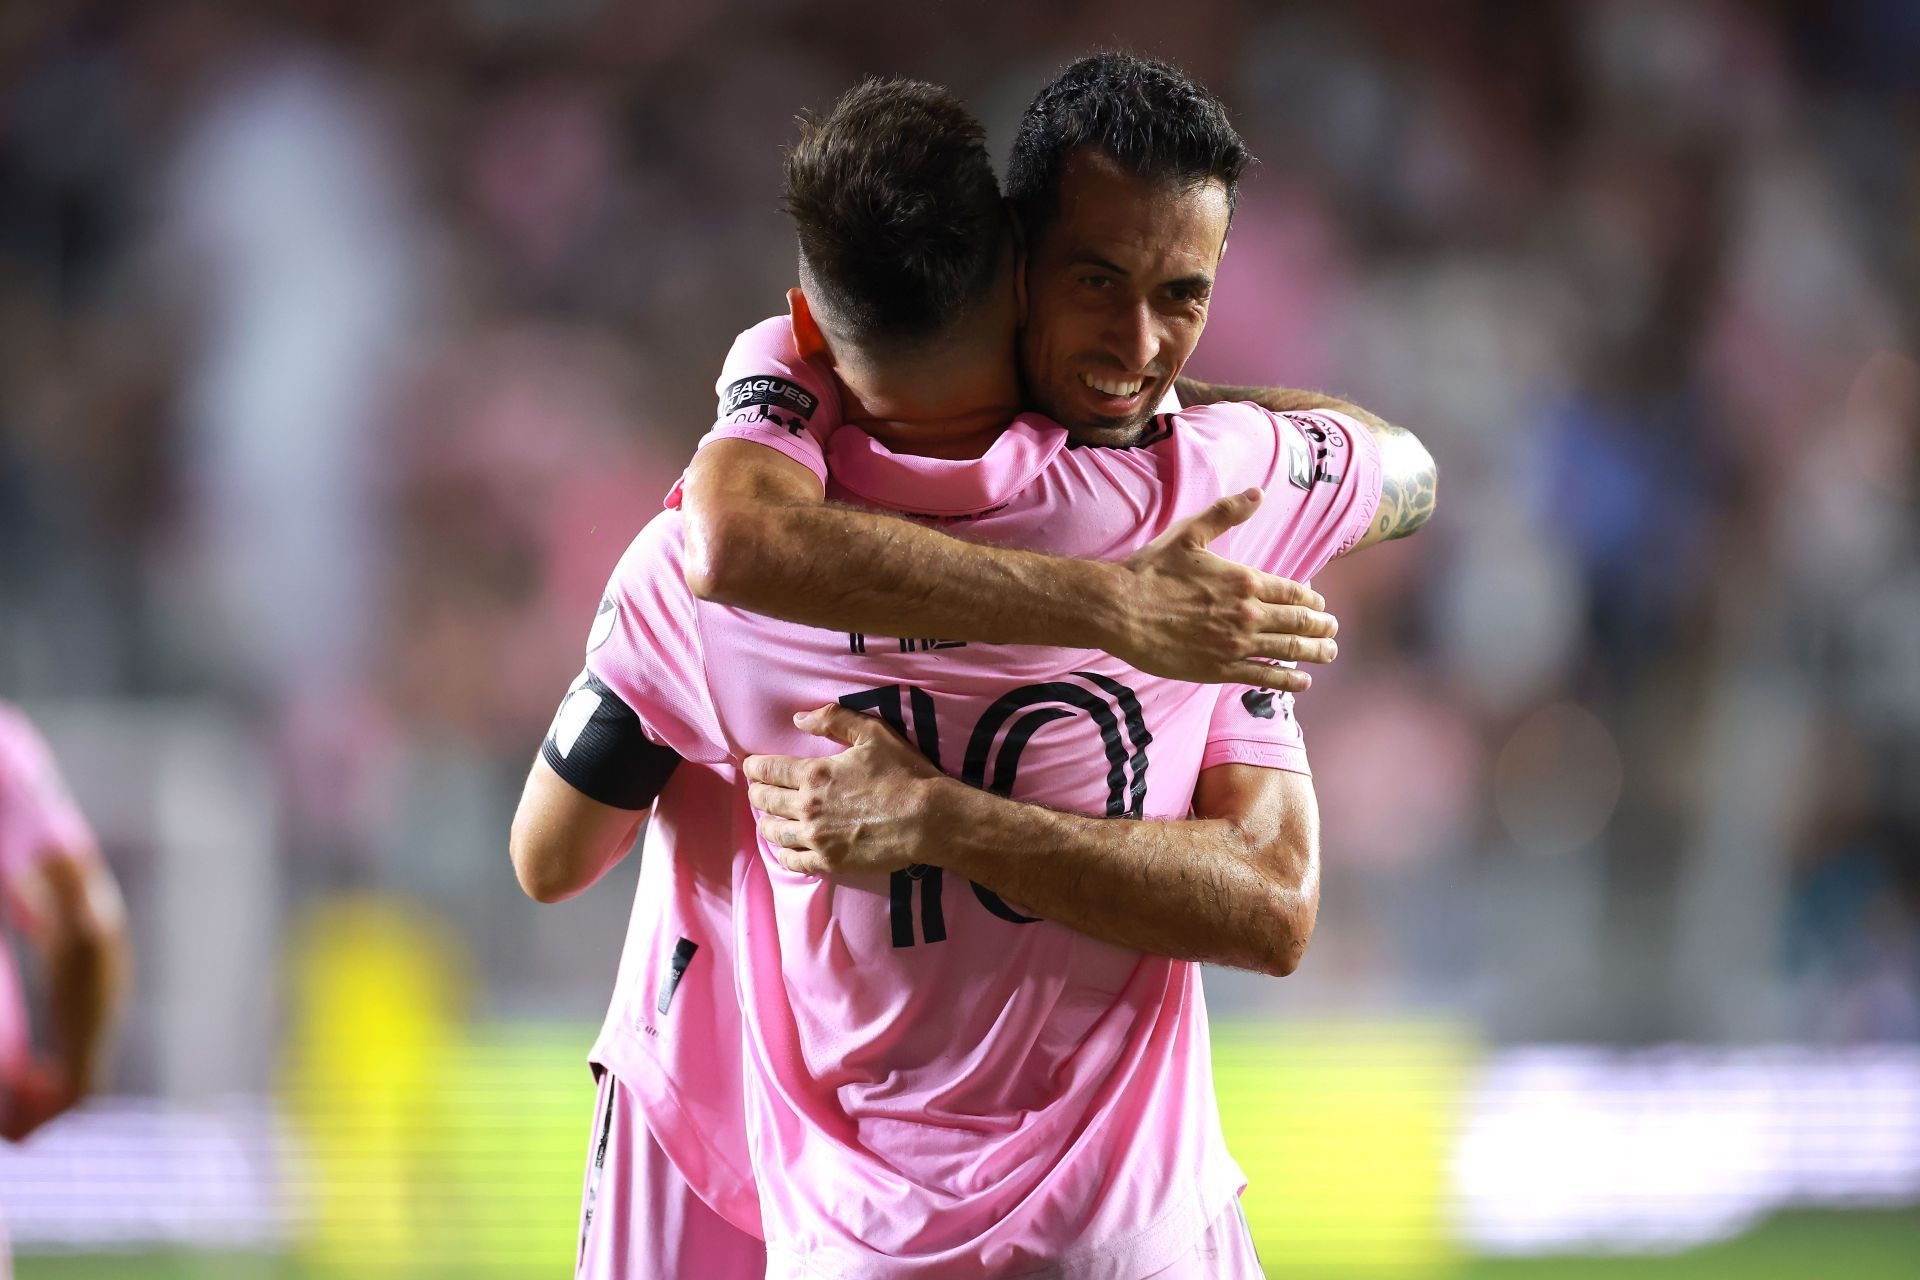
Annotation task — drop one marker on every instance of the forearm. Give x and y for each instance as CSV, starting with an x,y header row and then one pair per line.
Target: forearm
x,y
1194,889
852,570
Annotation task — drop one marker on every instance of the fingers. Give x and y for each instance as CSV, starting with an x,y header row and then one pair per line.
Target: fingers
x,y
1274,589
1298,620
1292,648
779,771
1221,516
1264,675
833,721
781,802
790,847
782,833
804,862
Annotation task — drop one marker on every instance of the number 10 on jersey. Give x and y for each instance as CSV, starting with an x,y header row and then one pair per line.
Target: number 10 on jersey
x,y
992,763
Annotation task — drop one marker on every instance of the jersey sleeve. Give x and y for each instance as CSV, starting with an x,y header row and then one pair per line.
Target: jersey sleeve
x,y
1321,474
1256,727
769,395
641,705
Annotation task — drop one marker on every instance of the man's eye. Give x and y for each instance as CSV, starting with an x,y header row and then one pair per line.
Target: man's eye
x,y
1096,281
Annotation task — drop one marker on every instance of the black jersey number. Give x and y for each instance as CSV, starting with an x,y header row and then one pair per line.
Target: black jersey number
x,y
992,762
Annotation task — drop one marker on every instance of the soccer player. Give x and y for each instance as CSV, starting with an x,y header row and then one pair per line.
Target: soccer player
x,y
594,712
63,899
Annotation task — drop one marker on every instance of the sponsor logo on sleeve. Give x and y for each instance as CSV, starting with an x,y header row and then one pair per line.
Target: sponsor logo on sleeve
x,y
1325,438
768,399
1259,703
1299,463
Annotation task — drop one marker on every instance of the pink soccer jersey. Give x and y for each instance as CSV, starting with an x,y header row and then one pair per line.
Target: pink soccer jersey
x,y
37,818
769,395
672,1030
673,1027
938,1083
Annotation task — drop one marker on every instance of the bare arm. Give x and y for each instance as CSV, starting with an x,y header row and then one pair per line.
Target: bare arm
x,y
1239,884
1409,479
562,841
760,537
81,934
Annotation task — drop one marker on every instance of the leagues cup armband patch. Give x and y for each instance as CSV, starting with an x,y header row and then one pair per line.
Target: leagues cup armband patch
x,y
768,399
1324,438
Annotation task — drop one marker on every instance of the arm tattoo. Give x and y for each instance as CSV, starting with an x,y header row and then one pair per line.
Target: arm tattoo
x,y
1409,483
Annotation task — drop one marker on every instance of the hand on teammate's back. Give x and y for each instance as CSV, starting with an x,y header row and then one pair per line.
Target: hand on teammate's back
x,y
1197,616
863,810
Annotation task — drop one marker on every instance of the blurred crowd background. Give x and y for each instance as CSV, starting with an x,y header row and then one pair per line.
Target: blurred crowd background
x,y
344,345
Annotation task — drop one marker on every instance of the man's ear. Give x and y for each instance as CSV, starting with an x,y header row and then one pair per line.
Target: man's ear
x,y
1019,236
807,338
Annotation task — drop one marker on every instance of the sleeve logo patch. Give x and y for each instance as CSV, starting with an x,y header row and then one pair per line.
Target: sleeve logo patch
x,y
1325,436
1265,704
1299,463
769,399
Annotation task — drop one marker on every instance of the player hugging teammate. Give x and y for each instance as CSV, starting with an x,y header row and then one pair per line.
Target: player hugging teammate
x,y
912,986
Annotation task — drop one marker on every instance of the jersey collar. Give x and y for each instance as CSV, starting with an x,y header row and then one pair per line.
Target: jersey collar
x,y
875,475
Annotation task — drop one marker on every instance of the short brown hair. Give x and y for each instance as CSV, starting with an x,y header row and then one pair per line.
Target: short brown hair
x,y
1150,118
897,208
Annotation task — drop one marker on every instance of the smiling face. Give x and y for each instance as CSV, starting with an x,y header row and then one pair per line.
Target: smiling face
x,y
1117,287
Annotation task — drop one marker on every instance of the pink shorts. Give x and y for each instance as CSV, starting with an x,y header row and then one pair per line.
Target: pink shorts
x,y
639,1220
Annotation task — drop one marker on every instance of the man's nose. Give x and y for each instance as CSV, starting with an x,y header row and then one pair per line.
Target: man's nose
x,y
1131,337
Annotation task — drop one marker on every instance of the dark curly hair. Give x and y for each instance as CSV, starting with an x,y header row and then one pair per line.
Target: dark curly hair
x,y
1147,116
897,208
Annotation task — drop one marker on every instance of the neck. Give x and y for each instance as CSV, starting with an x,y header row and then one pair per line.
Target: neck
x,y
955,436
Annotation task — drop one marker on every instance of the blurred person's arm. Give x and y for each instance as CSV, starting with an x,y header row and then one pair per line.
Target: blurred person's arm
x,y
76,920
1409,479
761,537
1238,884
